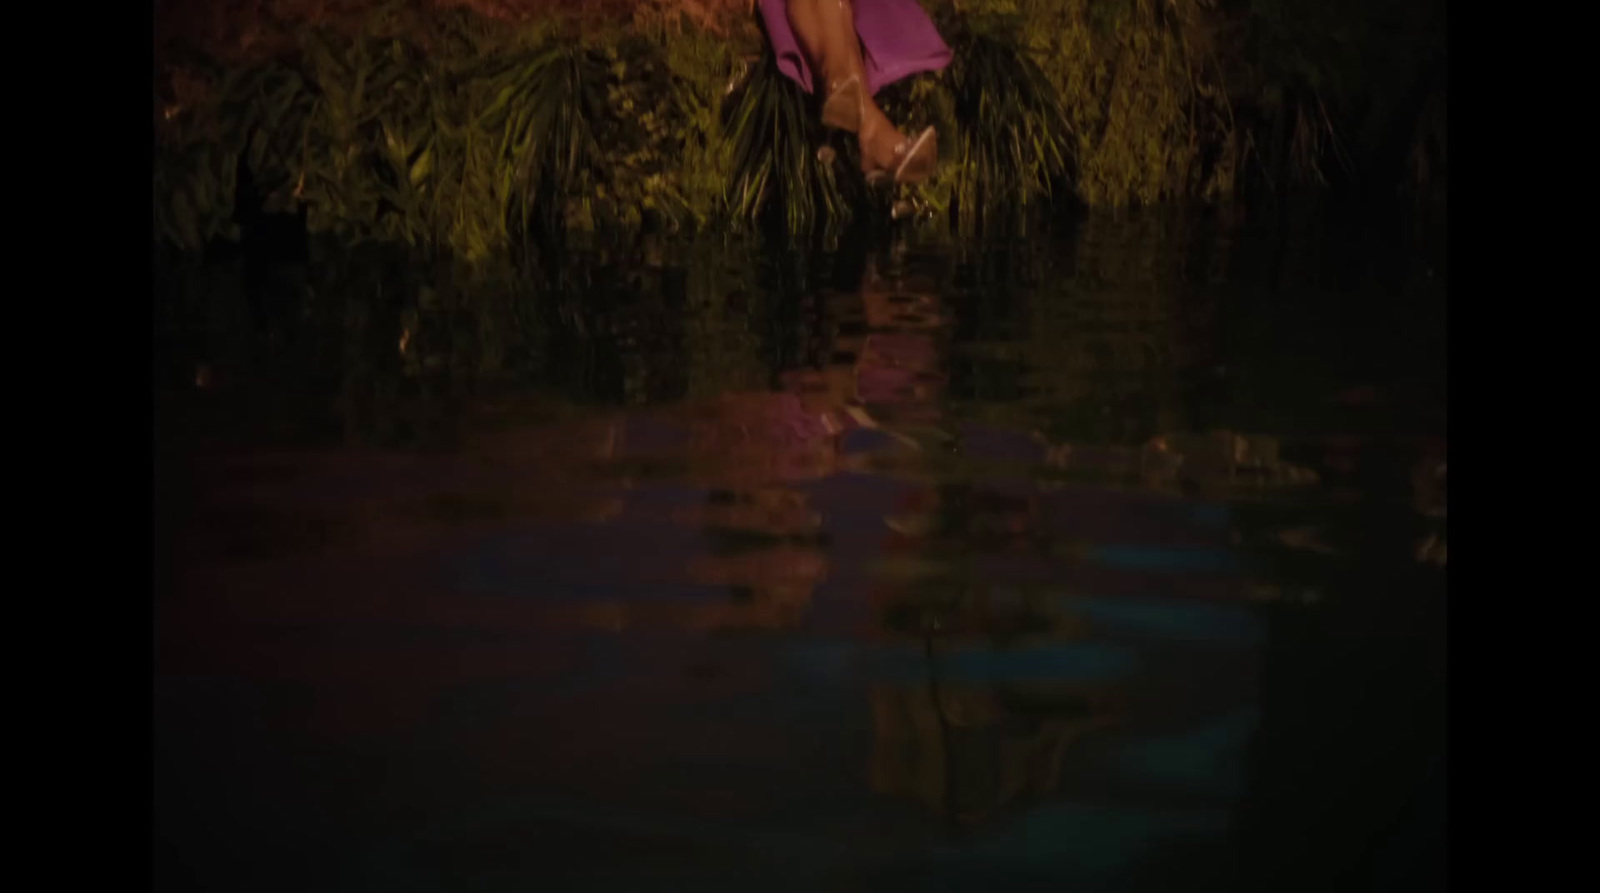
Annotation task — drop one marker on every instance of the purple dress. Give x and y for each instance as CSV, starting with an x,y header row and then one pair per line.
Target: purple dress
x,y
897,40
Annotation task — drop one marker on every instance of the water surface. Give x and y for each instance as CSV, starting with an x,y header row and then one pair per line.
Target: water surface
x,y
1113,559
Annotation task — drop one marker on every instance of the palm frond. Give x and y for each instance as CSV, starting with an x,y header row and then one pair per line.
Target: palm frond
x,y
774,169
1013,141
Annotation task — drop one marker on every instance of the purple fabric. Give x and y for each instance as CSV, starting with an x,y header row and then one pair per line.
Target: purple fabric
x,y
897,40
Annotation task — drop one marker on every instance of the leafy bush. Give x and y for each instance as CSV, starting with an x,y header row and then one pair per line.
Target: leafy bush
x,y
471,127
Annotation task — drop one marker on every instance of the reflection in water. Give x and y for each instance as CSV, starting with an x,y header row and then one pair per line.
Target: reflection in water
x,y
831,563
965,753
753,452
1430,498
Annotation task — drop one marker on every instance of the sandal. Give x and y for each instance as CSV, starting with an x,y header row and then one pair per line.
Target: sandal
x,y
844,106
877,177
918,157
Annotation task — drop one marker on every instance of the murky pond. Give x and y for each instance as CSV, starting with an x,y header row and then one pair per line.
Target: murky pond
x,y
1112,560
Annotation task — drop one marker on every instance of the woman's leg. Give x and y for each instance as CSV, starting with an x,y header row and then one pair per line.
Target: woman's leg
x,y
827,33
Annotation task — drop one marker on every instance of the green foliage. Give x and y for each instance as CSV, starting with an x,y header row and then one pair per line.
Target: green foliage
x,y
364,154
1344,86
1110,100
546,103
483,138
446,132
190,202
257,112
1139,94
1013,136
774,134
701,69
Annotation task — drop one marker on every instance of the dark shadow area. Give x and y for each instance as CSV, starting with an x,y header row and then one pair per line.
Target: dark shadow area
x,y
1109,559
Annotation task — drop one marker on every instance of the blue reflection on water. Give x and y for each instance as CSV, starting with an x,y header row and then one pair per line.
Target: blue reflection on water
x,y
1166,559
1170,618
907,662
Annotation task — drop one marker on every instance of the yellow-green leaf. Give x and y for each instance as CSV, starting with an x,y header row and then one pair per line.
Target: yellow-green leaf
x,y
424,162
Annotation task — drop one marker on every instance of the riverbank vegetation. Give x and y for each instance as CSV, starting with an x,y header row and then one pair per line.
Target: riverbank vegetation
x,y
473,128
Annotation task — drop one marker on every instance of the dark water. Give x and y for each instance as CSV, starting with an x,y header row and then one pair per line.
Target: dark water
x,y
1108,560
